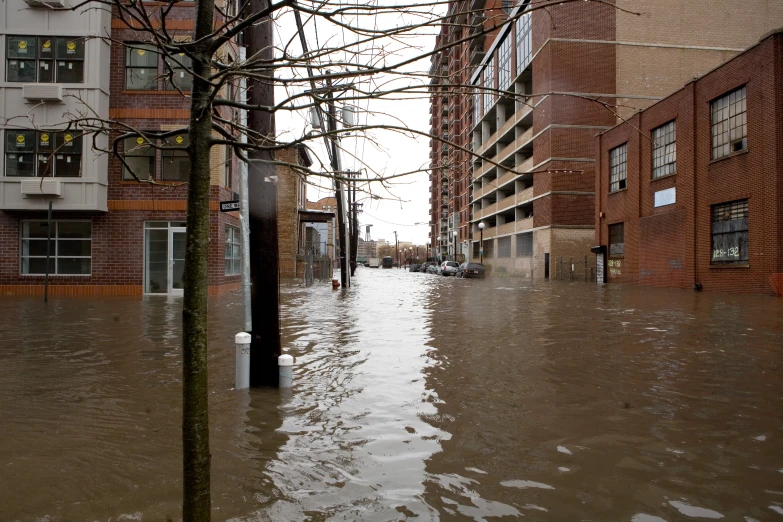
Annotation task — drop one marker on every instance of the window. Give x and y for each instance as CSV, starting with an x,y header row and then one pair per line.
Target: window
x,y
524,42
504,246
227,168
476,250
140,156
525,244
44,59
730,232
617,167
729,128
176,162
617,239
69,250
179,66
489,84
43,153
233,257
489,248
664,153
504,64
141,67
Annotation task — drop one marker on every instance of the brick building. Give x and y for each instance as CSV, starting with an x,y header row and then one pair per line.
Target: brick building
x,y
690,190
568,73
112,235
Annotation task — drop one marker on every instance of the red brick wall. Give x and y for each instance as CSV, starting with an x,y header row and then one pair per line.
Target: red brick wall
x,y
671,245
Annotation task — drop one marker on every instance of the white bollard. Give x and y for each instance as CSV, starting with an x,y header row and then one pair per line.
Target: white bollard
x,y
242,376
285,364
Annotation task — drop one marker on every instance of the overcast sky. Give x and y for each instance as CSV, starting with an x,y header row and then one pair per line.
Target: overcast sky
x,y
405,206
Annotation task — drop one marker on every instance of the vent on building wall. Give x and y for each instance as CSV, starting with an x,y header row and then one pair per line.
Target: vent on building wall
x,y
41,187
46,3
42,92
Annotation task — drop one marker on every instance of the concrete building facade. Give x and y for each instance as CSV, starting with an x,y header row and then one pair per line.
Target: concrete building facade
x,y
548,82
690,190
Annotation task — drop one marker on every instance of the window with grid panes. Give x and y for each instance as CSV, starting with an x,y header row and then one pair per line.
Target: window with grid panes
x,y
664,151
489,248
70,249
489,84
729,125
618,167
179,66
504,246
44,59
232,256
141,67
525,244
43,153
617,239
140,156
524,42
175,161
504,64
730,232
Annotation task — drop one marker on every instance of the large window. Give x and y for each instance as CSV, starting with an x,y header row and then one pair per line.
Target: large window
x,y
504,246
618,167
617,240
140,156
729,126
233,257
504,64
176,163
524,42
44,59
730,232
179,66
525,244
43,153
141,67
477,105
664,152
489,84
69,251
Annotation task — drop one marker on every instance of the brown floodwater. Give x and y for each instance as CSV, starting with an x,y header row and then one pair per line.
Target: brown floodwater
x,y
416,397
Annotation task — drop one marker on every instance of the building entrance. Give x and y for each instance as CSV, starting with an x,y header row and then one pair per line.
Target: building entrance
x,y
164,259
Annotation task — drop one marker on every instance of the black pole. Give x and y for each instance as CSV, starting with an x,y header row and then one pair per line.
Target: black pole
x,y
344,259
265,344
48,247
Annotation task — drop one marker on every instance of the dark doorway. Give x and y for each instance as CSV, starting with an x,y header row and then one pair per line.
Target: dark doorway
x,y
546,266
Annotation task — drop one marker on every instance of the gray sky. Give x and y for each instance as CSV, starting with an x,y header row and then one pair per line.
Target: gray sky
x,y
405,200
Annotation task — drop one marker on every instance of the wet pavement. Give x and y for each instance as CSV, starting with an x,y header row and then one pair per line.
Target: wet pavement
x,y
416,397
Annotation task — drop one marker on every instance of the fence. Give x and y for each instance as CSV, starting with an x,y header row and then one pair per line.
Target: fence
x,y
317,267
568,269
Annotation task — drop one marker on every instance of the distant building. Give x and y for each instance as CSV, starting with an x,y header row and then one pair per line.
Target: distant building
x,y
320,227
690,190
366,250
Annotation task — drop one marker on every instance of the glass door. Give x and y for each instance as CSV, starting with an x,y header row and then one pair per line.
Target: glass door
x,y
176,260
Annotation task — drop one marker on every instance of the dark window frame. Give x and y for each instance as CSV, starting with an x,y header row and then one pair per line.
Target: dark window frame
x,y
130,48
170,154
726,220
504,246
664,150
618,168
180,68
524,41
151,153
504,63
728,123
617,240
55,149
55,251
38,56
525,244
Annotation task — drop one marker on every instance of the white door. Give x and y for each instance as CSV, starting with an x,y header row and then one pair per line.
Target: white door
x,y
176,260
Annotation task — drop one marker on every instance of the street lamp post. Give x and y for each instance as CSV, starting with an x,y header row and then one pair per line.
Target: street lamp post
x,y
481,243
455,244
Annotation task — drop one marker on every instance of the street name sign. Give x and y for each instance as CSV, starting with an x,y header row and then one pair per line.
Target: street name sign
x,y
229,206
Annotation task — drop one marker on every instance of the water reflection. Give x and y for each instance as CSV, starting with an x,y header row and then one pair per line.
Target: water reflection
x,y
415,396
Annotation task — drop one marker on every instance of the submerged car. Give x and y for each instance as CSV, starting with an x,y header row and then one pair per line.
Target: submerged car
x,y
425,268
448,268
471,270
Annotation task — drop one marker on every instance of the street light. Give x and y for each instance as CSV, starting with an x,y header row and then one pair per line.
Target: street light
x,y
481,242
455,233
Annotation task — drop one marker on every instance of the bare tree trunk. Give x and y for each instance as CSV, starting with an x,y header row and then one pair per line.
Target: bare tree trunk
x,y
195,405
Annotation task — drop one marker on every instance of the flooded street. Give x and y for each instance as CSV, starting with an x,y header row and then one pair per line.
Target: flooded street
x,y
415,397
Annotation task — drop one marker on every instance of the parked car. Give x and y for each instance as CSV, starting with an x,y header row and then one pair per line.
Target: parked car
x,y
425,267
448,268
471,270
413,268
432,269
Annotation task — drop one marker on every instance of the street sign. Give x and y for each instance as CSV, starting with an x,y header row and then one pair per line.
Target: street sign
x,y
229,206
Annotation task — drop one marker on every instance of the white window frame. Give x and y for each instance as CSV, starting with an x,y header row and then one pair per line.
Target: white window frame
x,y
524,42
729,127
664,151
234,261
618,168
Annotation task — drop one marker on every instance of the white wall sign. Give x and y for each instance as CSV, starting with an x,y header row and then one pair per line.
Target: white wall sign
x,y
666,197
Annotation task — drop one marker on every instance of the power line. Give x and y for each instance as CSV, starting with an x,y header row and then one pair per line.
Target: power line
x,y
418,224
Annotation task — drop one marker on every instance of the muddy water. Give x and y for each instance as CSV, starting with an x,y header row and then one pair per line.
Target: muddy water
x,y
416,397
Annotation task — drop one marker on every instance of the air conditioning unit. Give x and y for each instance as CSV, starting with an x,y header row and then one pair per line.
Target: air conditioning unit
x,y
42,92
41,187
47,3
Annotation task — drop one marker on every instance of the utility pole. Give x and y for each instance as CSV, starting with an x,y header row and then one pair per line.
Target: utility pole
x,y
397,249
265,344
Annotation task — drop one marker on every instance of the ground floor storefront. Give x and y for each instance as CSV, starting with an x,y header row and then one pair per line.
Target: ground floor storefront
x,y
114,253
